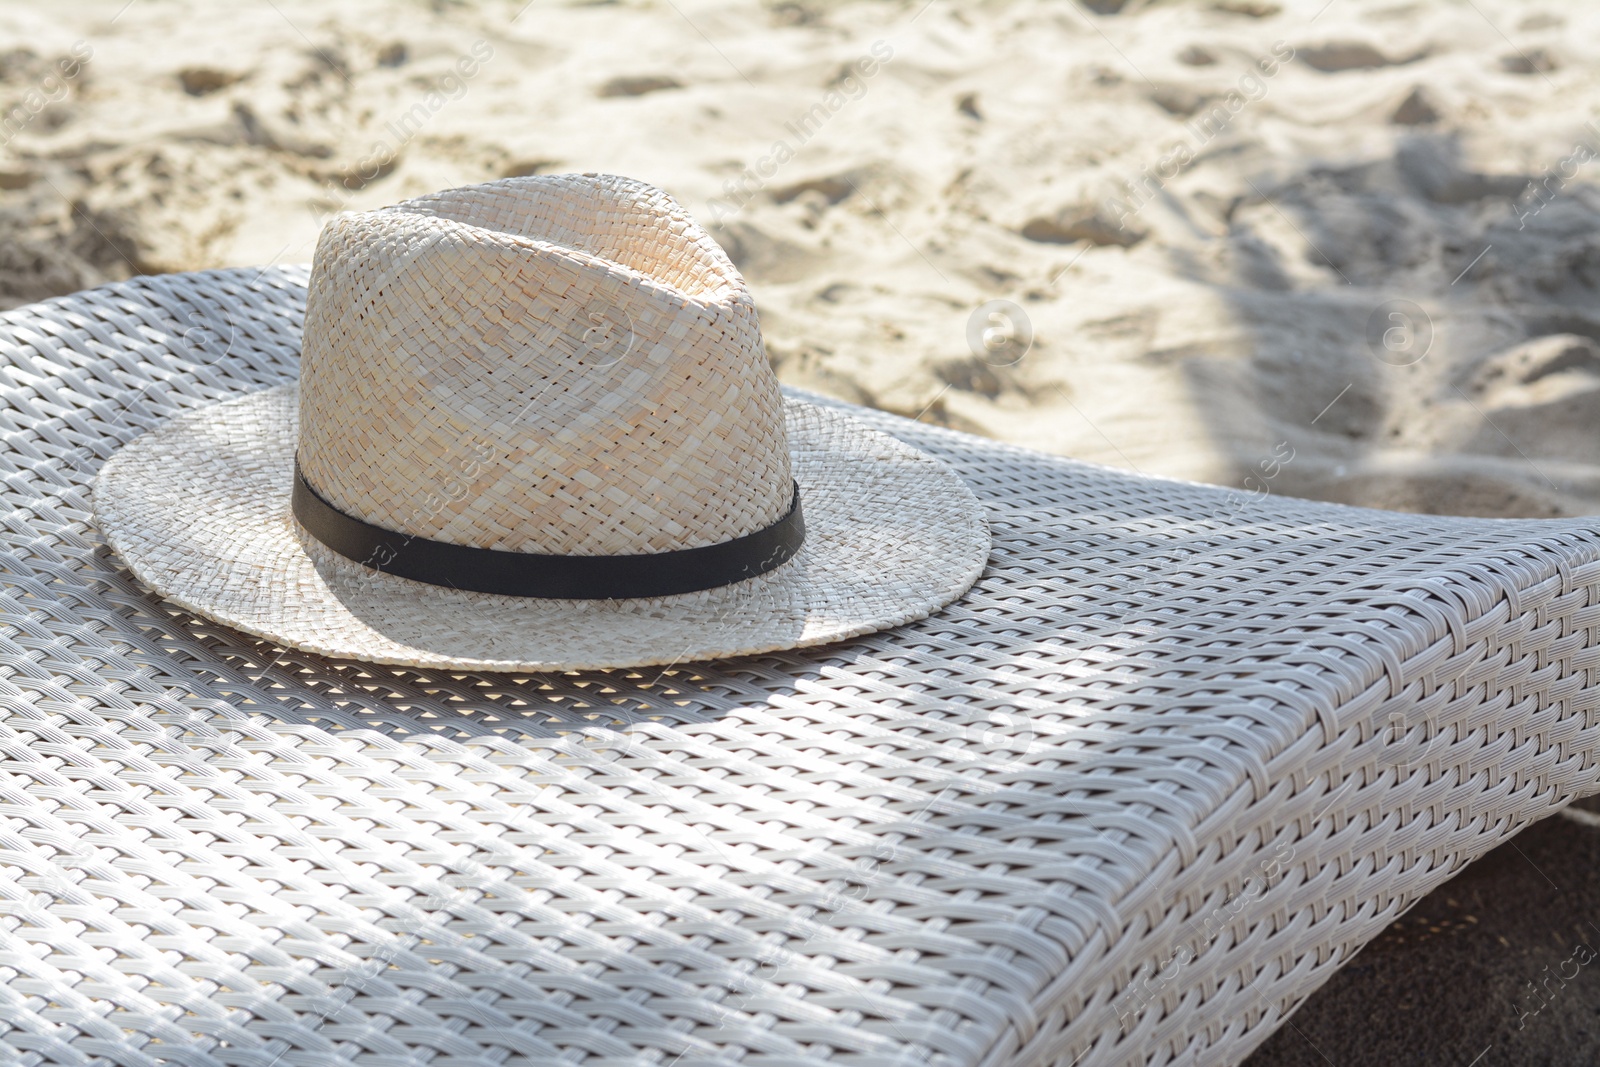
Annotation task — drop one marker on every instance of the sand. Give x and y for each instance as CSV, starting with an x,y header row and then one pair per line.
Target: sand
x,y
1361,234
1345,249
1496,968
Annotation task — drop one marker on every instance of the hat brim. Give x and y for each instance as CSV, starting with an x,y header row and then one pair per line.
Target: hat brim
x,y
199,510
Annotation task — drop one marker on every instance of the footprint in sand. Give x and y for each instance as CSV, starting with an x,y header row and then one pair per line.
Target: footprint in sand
x,y
832,188
1544,390
638,85
1083,222
1532,61
203,81
1332,57
1253,9
1515,374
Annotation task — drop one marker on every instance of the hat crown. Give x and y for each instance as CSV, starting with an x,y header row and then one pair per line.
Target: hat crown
x,y
563,364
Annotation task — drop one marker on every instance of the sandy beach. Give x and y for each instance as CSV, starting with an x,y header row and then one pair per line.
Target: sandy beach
x,y
1341,249
1217,235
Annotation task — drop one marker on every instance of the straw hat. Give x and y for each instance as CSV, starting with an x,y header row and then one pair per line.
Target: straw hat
x,y
536,429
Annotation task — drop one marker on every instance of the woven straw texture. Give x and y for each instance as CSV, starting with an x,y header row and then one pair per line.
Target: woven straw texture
x,y
199,509
1166,766
581,329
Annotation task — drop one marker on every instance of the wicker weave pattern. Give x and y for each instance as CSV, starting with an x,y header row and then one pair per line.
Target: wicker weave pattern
x,y
641,415
955,844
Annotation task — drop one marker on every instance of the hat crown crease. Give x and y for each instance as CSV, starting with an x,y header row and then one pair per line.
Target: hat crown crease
x,y
560,365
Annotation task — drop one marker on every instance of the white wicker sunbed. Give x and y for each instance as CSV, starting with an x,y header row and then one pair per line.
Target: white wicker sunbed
x,y
1175,758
